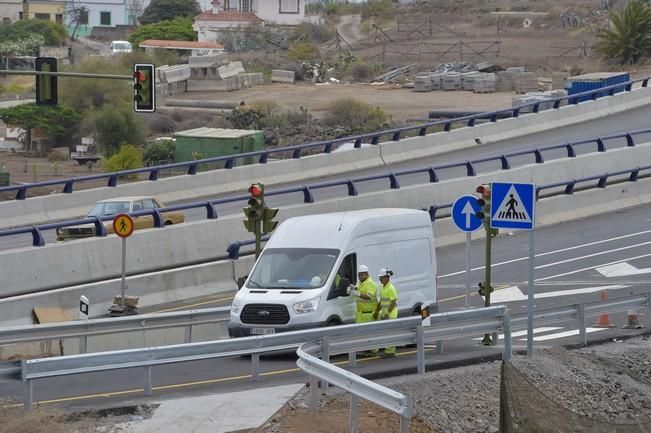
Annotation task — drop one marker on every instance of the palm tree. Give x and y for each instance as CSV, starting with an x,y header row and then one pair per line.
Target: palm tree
x,y
630,37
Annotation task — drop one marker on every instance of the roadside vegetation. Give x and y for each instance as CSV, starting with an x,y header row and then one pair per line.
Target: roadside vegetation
x,y
177,29
629,39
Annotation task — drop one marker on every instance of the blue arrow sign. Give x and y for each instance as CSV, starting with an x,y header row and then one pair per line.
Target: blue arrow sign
x,y
464,212
513,205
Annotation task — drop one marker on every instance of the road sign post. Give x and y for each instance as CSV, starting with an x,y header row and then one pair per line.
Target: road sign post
x,y
514,207
123,226
464,216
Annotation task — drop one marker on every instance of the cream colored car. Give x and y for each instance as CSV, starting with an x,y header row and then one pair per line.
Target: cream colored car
x,y
115,206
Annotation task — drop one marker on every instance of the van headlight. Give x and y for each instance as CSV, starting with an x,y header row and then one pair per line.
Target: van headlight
x,y
236,306
59,231
307,306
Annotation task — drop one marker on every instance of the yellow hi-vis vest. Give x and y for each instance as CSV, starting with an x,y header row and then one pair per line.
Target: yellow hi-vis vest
x,y
388,294
367,306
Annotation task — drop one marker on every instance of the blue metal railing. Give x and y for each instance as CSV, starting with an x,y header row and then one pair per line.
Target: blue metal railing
x,y
233,248
326,146
537,154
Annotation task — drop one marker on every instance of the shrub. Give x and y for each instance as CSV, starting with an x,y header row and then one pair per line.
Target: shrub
x,y
382,9
362,72
246,118
354,115
630,38
117,125
303,51
128,157
266,106
158,152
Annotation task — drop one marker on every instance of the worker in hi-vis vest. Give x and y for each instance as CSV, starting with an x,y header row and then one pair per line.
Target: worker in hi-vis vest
x,y
366,293
388,307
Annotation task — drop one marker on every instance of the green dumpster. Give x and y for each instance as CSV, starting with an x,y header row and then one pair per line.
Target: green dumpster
x,y
4,179
202,143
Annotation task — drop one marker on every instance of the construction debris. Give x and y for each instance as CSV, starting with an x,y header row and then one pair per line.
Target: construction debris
x,y
394,74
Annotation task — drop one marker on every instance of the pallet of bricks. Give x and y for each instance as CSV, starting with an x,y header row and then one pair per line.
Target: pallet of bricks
x,y
523,81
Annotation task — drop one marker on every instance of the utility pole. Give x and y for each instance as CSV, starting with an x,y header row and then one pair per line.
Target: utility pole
x,y
485,288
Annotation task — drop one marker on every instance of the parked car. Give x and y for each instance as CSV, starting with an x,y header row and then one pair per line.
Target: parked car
x,y
115,206
119,47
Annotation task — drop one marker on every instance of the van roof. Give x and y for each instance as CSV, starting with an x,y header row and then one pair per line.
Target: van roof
x,y
331,230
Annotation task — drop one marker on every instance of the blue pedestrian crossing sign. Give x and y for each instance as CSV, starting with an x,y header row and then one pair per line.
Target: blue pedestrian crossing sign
x,y
464,213
513,205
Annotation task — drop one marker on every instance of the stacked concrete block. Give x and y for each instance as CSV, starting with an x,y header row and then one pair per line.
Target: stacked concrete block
x,y
436,80
525,82
485,83
505,81
229,84
282,76
468,80
558,80
546,100
208,61
422,83
451,81
230,70
517,69
216,73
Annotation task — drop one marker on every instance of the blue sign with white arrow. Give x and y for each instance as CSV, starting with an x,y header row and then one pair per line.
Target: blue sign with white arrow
x,y
464,213
513,205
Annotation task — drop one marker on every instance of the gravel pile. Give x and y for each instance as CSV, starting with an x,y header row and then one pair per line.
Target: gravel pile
x,y
610,383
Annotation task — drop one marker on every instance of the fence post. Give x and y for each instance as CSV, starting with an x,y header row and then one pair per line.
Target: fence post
x,y
506,324
405,419
325,356
580,308
420,349
188,334
352,359
314,393
352,418
83,344
148,391
29,394
255,367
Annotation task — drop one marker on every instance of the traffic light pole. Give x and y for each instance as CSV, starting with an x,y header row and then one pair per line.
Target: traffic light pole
x,y
487,280
258,236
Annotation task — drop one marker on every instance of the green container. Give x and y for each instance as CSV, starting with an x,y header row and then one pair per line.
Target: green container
x,y
202,143
4,179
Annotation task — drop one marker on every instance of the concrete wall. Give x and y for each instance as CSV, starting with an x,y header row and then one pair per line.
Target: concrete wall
x,y
63,206
96,259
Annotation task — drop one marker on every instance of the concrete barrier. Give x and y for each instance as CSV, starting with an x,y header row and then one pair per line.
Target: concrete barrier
x,y
63,206
97,259
280,76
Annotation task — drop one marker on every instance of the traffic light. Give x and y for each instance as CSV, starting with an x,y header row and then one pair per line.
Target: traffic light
x,y
144,88
268,224
255,212
484,201
46,85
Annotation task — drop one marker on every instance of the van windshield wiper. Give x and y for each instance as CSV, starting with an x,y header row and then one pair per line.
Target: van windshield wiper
x,y
255,283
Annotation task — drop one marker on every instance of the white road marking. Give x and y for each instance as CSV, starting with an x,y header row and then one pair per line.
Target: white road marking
x,y
564,334
521,333
621,269
600,253
589,244
576,271
513,293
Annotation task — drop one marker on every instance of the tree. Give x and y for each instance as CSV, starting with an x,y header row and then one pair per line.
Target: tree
x,y
129,157
116,125
58,122
178,29
159,153
164,10
630,37
52,33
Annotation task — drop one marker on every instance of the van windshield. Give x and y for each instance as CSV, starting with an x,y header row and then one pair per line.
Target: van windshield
x,y
295,268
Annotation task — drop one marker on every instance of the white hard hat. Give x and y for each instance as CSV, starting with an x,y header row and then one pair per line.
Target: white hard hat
x,y
362,268
316,281
384,272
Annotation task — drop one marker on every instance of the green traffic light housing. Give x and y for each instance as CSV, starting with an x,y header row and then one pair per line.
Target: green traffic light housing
x,y
268,224
144,88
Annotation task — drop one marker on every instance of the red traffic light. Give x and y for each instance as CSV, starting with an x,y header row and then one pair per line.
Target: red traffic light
x,y
484,190
139,75
255,190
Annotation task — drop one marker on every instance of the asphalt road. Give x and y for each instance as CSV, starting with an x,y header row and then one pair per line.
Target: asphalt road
x,y
574,263
628,121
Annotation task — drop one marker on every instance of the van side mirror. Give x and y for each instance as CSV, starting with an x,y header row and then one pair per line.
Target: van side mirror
x,y
241,281
343,287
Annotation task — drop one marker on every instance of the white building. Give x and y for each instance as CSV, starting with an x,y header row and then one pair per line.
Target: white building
x,y
87,14
233,14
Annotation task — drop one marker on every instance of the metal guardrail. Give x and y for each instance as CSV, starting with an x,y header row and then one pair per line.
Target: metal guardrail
x,y
233,249
354,338
93,327
396,402
327,146
351,183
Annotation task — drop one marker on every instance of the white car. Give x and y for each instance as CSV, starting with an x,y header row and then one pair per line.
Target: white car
x,y
119,47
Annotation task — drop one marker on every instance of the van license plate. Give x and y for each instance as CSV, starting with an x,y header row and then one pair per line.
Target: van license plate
x,y
262,331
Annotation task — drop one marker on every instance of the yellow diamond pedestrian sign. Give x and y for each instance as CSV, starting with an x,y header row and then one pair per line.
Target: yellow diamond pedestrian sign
x,y
123,225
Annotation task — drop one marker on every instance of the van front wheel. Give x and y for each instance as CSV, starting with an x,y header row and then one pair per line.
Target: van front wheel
x,y
333,322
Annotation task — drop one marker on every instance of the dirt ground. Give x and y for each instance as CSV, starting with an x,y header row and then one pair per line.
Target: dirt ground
x,y
333,418
400,103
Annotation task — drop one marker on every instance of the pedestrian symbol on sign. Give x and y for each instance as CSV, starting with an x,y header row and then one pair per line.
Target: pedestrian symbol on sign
x,y
511,208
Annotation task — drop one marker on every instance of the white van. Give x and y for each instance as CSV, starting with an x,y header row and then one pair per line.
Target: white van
x,y
300,279
118,47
